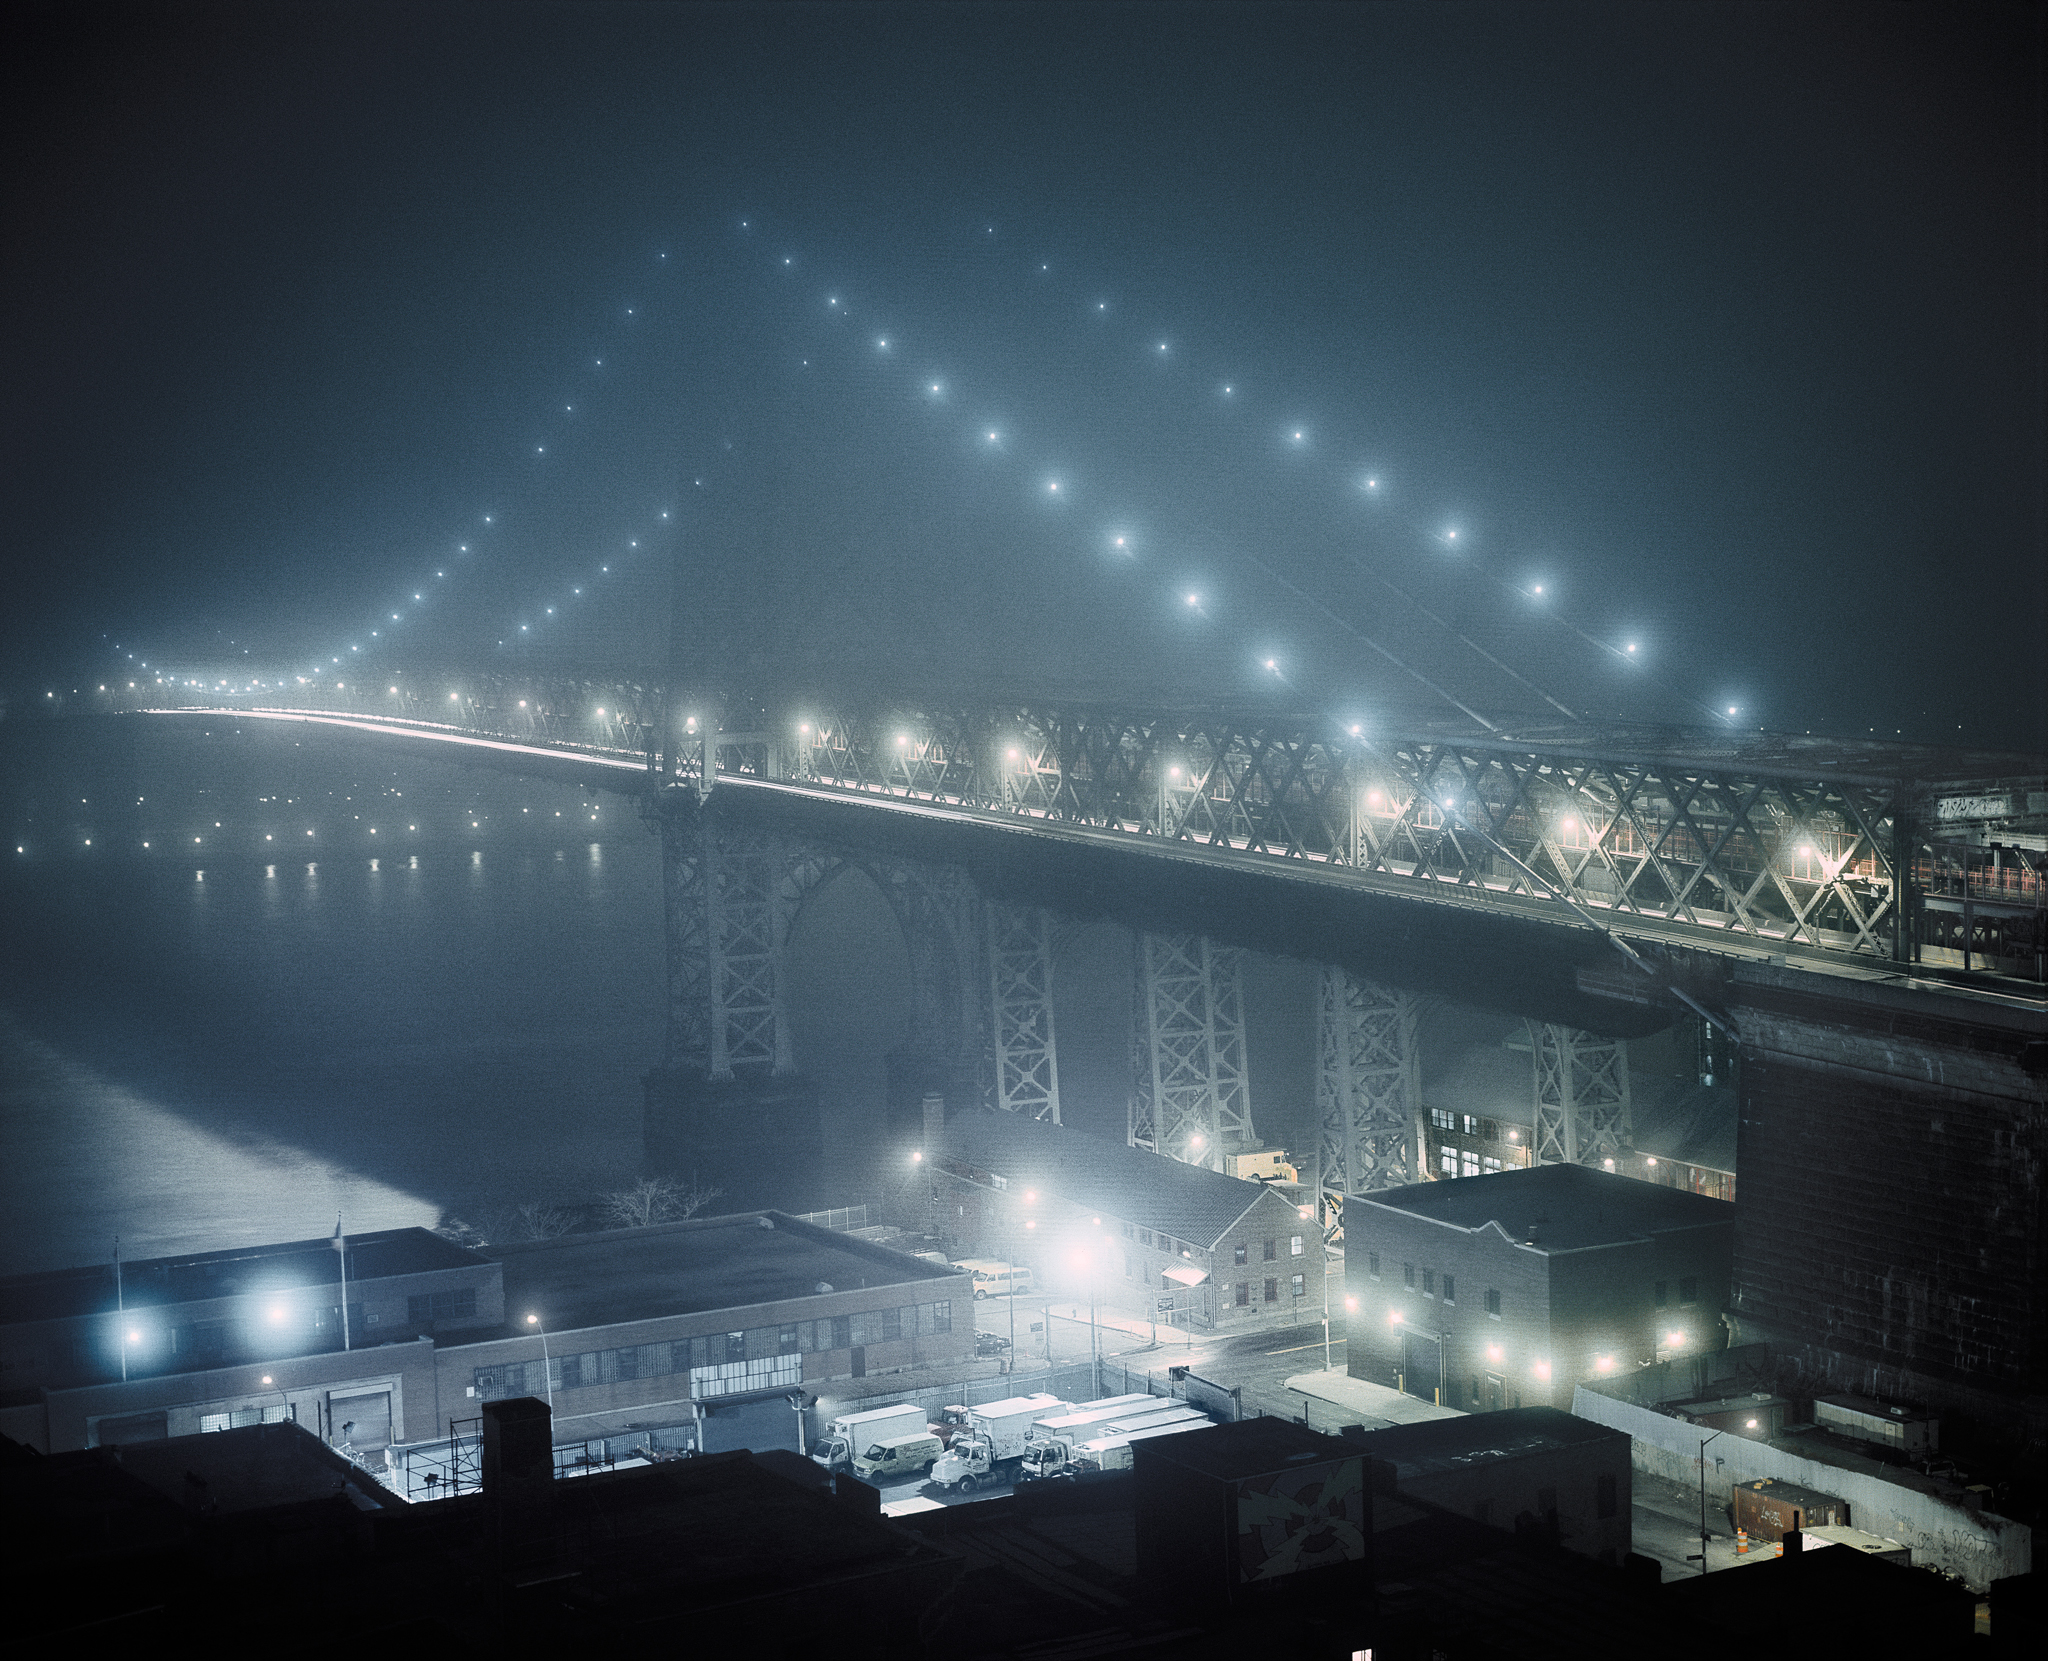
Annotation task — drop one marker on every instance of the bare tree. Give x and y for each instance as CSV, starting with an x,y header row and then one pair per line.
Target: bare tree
x,y
460,1232
541,1221
654,1200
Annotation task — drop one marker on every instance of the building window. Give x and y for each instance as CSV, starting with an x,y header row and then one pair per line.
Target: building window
x,y
1475,1392
1688,1292
942,1317
1300,1286
1240,1254
1429,1283
1443,1118
842,1332
1129,1232
1489,1130
1272,1250
431,1307
786,1341
1447,1161
1450,1290
892,1324
1144,1237
1603,1494
1663,1293
1244,1293
1493,1301
1471,1126
1468,1164
1372,1264
1408,1276
1294,1246
1489,1163
1272,1291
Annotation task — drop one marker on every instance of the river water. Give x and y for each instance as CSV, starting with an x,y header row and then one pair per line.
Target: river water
x,y
248,983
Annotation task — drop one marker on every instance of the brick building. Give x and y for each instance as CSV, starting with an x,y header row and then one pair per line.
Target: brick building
x,y
1500,1291
630,1326
1156,1237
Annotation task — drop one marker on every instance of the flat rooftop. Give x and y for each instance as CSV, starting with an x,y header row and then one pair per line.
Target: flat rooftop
x,y
193,1277
1554,1208
753,1257
1480,1438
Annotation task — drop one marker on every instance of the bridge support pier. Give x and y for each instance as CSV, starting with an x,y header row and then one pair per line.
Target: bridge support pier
x,y
1025,1054
1368,1087
1191,1093
1580,1083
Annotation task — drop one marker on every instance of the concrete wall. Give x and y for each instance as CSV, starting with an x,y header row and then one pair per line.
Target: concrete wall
x,y
1979,1547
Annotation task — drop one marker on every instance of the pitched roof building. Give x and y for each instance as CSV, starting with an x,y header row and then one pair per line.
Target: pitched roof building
x,y
1157,1237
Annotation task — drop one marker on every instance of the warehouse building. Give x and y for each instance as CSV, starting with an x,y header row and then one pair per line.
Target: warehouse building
x,y
622,1328
1144,1233
1503,1291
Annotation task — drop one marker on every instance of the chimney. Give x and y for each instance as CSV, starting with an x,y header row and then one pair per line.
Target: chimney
x,y
519,1469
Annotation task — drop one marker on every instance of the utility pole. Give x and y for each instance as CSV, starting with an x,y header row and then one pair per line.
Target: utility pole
x,y
1704,1440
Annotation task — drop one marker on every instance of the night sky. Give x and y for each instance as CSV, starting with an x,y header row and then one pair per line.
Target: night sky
x,y
1721,324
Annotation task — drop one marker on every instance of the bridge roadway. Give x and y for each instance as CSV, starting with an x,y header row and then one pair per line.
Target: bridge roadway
x,y
1503,899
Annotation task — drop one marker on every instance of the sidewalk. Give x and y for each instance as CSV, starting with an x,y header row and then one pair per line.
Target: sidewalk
x,y
1128,1326
1358,1400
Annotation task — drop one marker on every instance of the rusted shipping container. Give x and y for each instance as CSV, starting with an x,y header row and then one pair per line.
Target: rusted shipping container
x,y
1768,1510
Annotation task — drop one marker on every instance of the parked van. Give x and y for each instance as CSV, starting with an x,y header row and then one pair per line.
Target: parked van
x,y
898,1457
996,1280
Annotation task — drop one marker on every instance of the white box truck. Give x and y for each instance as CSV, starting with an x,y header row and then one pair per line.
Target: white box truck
x,y
852,1433
1104,1444
988,1448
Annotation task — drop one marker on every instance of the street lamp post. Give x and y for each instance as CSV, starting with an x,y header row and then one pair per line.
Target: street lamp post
x,y
547,1366
1704,1440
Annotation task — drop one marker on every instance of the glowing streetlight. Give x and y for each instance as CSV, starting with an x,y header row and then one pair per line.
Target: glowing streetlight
x,y
547,1366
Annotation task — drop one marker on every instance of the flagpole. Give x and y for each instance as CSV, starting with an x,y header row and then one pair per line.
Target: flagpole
x,y
120,1311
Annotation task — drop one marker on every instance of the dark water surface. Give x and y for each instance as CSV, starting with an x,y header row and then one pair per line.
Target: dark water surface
x,y
440,1002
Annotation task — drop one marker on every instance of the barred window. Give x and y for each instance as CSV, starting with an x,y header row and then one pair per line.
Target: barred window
x,y
787,1342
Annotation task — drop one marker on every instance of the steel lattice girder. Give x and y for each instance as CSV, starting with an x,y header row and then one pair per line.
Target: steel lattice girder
x,y
1581,1095
1368,1089
1715,850
1191,1096
1026,1055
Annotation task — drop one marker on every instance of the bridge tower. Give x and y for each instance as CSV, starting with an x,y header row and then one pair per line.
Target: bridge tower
x,y
1368,1088
1024,1051
1191,1088
1580,1082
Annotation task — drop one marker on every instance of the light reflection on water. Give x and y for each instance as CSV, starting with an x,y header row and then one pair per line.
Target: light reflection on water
x,y
197,1059
160,1182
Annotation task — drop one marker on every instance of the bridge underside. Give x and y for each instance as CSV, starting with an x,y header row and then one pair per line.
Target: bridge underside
x,y
1508,965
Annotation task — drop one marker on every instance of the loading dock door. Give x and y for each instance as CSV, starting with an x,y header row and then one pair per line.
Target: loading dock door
x,y
369,1414
1420,1365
